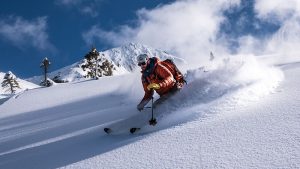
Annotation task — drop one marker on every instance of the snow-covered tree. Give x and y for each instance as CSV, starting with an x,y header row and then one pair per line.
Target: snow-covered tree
x,y
10,82
96,65
57,79
91,63
45,65
107,68
48,82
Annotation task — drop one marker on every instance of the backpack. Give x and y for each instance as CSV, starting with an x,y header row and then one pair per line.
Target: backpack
x,y
178,76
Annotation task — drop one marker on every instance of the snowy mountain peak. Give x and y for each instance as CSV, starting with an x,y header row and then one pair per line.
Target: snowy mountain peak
x,y
125,56
122,59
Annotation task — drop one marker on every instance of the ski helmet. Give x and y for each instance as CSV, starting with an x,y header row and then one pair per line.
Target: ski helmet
x,y
142,58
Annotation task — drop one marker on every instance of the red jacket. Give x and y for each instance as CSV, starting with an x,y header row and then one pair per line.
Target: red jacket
x,y
157,73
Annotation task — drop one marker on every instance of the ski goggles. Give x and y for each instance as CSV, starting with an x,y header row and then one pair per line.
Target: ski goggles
x,y
142,64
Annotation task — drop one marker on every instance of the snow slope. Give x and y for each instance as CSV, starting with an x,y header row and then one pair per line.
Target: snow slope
x,y
235,114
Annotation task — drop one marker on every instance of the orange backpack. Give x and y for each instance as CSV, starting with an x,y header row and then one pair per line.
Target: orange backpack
x,y
178,76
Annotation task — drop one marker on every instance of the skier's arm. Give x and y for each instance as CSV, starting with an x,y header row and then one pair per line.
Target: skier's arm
x,y
148,93
166,76
147,97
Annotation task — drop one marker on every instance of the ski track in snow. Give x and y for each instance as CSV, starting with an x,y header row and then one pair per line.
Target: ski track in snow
x,y
211,126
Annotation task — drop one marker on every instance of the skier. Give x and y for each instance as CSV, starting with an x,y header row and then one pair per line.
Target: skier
x,y
160,76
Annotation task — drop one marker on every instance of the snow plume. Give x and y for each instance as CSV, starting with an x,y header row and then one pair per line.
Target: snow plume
x,y
243,77
282,45
191,29
232,82
187,29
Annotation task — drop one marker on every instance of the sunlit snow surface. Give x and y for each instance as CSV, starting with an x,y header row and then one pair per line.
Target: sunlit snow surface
x,y
234,113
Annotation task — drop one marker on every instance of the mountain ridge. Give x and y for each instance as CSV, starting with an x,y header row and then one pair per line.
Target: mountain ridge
x,y
122,58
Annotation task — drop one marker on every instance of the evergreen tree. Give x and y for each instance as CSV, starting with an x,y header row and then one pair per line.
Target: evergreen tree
x,y
57,79
96,65
45,65
10,82
91,63
107,68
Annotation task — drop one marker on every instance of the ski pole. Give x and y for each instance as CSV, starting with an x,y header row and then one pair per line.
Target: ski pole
x,y
152,121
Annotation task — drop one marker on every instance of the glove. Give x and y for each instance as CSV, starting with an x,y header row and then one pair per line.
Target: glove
x,y
154,86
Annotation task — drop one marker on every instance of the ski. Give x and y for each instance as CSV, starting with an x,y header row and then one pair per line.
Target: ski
x,y
131,130
134,129
152,122
125,125
133,123
107,130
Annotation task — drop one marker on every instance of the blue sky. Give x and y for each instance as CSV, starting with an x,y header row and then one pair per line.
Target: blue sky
x,y
64,30
62,22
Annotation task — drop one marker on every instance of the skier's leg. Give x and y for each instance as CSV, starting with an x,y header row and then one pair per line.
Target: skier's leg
x,y
165,97
159,101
